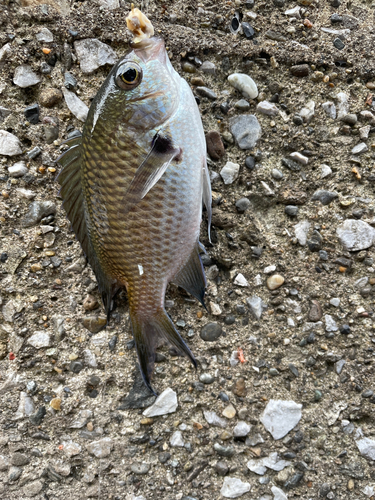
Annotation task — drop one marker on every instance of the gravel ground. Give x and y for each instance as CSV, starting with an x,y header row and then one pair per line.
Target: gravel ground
x,y
281,405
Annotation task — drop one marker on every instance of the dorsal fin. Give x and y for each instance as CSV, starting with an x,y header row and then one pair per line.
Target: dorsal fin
x,y
69,179
191,277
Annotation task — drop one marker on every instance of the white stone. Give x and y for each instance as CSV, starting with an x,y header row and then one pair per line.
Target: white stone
x,y
256,306
40,340
26,193
269,269
213,419
300,230
360,148
215,309
245,84
364,132
234,487
234,359
355,235
267,108
26,406
291,322
9,144
307,113
278,494
325,171
24,76
330,31
165,403
339,365
361,282
258,280
342,105
92,54
75,105
240,280
331,325
10,309
299,157
295,12
19,169
330,109
242,429
229,172
109,4
366,447
368,490
335,302
176,439
280,417
5,51
261,465
101,448
208,67
333,413
367,116
44,35
90,359
71,449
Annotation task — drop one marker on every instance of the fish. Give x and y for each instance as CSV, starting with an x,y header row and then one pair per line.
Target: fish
x,y
133,185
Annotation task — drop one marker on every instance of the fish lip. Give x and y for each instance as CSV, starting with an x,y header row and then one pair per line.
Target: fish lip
x,y
151,48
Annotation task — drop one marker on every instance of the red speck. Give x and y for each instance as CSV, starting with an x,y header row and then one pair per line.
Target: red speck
x,y
12,356
61,447
241,356
307,23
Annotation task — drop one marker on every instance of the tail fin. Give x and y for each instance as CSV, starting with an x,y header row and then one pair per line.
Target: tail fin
x,y
146,332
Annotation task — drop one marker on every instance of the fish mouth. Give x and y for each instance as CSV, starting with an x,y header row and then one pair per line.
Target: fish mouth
x,y
151,48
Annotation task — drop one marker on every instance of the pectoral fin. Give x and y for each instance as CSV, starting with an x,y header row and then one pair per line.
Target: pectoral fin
x,y
207,197
162,152
191,277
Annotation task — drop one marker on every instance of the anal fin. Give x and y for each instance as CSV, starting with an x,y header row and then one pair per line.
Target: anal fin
x,y
192,278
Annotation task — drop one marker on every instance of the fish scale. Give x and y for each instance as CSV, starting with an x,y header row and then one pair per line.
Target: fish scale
x,y
140,174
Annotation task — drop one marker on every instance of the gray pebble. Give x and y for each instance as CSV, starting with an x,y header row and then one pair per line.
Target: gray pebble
x,y
291,210
206,378
33,153
19,169
19,459
325,197
242,105
14,473
211,332
277,174
221,468
242,205
338,43
76,366
140,468
246,130
208,67
224,451
206,92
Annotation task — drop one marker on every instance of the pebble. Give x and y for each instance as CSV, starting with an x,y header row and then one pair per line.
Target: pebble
x,y
69,81
50,97
278,494
234,487
19,169
32,113
294,12
206,378
269,269
75,105
330,109
92,54
276,174
267,108
335,302
9,144
25,77
256,306
101,448
37,417
215,146
360,148
342,105
211,332
37,211
19,459
325,171
350,119
188,67
331,325
39,340
325,197
25,407
242,105
71,449
315,312
240,280
81,419
245,84
366,447
89,358
165,403
213,419
5,51
300,70
291,210
221,468
355,235
32,489
364,132
92,323
280,417
272,462
242,429
76,366
140,468
250,163
248,30
33,153
300,158
55,403
338,43
229,411
300,230
242,205
246,130
239,388
224,451
206,92
176,440
14,473
44,35
307,113
275,281
208,67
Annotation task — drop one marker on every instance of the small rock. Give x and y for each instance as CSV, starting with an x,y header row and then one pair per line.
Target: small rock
x,y
307,113
278,494
300,70
75,105
275,281
242,205
69,81
291,210
248,31
355,235
325,171
224,451
229,172
176,439
330,109
213,419
331,325
206,92
50,97
343,105
19,169
44,35
206,378
316,311
240,280
242,429
360,148
300,230
94,324
90,303
267,108
256,306
14,474
229,412
246,130
9,144
140,468
211,332
276,174
165,403
37,417
338,43
215,146
221,468
300,158
208,67
101,448
40,340
38,210
76,366
32,113
32,489
90,359
350,119
19,459
366,447
239,388
25,77
242,105
234,487
245,84
280,417
92,54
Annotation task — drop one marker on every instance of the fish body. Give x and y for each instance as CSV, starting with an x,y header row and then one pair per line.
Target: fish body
x,y
132,187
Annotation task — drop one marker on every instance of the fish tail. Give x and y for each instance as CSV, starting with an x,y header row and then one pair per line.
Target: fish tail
x,y
146,333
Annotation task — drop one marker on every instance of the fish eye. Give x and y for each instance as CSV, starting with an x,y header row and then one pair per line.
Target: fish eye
x,y
128,76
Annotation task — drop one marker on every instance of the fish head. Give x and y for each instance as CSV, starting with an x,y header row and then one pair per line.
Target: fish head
x,y
141,91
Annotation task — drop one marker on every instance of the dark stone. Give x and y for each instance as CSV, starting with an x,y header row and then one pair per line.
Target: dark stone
x,y
224,107
211,332
94,381
242,205
250,162
221,468
323,255
76,366
300,70
336,3
93,394
249,4
139,396
292,165
33,153
3,257
229,320
342,261
335,18
297,120
279,3
41,435
368,393
112,343
339,44
164,457
69,81
298,436
293,369
345,329
32,113
324,490
37,417
206,92
248,31
291,210
325,197
224,397
294,480
315,242
19,459
275,98
215,146
224,451
310,361
289,455
352,469
195,473
311,338
38,210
